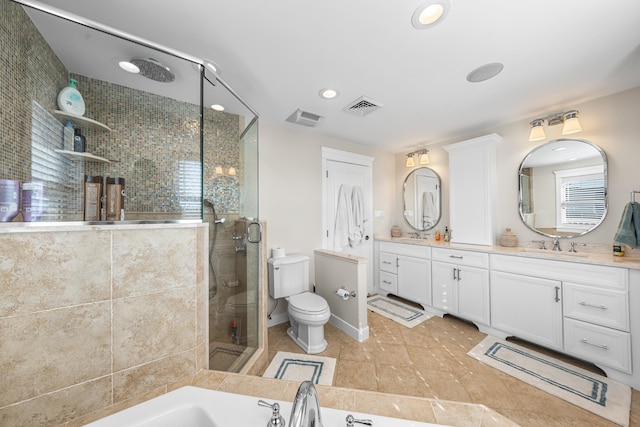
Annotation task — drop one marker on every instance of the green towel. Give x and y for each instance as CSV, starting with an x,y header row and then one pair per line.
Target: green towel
x,y
629,226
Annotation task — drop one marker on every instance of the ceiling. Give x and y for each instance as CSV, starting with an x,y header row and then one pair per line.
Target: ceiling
x,y
279,54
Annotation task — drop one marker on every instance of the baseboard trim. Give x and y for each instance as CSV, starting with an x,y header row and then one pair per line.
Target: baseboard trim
x,y
359,335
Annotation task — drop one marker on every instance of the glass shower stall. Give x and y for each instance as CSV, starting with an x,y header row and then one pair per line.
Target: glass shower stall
x,y
180,140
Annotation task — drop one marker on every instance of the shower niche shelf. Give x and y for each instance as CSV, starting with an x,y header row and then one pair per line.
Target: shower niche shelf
x,y
86,157
80,120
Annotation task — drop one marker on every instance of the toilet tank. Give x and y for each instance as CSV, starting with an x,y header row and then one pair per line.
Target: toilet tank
x,y
288,275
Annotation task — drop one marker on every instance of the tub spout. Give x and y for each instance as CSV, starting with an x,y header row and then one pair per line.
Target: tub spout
x,y
306,409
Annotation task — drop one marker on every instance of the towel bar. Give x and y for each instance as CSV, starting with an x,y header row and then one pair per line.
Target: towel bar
x,y
633,195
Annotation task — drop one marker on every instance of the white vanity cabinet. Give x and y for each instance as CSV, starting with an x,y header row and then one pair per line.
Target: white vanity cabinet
x,y
578,308
460,283
405,270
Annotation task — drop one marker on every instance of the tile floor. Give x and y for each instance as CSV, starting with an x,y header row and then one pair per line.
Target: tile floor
x,y
431,361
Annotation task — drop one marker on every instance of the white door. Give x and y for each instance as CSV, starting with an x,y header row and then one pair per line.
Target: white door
x,y
347,175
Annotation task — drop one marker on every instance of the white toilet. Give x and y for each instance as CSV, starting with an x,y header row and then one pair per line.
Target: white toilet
x,y
308,312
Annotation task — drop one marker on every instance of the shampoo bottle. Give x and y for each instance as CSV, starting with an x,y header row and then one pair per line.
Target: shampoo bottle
x,y
70,100
79,141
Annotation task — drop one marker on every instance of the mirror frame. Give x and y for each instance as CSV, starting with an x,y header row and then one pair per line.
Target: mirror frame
x,y
404,200
606,188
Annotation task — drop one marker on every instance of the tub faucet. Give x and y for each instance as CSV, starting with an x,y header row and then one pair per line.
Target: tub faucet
x,y
306,409
556,245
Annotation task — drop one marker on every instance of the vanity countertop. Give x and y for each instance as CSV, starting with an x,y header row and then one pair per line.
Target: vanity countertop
x,y
582,256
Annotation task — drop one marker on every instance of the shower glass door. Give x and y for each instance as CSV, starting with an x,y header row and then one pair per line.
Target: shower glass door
x,y
230,195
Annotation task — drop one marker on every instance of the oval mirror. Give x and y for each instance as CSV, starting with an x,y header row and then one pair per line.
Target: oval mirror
x,y
422,201
563,188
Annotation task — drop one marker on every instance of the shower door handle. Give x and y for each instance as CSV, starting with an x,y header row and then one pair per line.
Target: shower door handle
x,y
249,238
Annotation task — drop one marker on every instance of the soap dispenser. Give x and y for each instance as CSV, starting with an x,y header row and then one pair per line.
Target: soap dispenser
x,y
70,101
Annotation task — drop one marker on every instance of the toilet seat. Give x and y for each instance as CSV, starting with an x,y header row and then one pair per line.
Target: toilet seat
x,y
308,302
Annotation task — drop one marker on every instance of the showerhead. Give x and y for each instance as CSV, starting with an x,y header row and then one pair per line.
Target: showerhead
x,y
154,70
209,204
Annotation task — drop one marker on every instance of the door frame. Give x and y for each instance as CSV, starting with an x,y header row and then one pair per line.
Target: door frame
x,y
331,154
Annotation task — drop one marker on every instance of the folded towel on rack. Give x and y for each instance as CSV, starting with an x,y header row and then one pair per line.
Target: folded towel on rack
x,y
629,227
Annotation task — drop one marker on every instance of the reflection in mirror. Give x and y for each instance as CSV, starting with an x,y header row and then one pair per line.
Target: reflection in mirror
x,y
422,201
563,188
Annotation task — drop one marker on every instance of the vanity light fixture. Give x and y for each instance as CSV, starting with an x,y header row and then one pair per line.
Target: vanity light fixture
x,y
423,158
410,163
537,131
569,119
571,123
219,170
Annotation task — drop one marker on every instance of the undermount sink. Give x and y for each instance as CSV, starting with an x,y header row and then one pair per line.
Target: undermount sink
x,y
550,253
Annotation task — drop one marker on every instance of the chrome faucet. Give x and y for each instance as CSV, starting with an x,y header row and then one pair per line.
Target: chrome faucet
x,y
574,244
556,244
542,246
306,409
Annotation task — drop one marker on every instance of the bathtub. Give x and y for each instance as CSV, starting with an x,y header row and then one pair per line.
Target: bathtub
x,y
199,407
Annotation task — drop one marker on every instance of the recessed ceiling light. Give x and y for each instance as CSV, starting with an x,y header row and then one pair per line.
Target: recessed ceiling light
x,y
217,107
129,67
485,72
430,13
328,93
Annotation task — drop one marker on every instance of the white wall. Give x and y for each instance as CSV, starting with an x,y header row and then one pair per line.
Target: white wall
x,y
612,123
291,187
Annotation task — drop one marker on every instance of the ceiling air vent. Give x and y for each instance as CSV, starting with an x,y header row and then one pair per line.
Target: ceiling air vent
x,y
304,118
362,106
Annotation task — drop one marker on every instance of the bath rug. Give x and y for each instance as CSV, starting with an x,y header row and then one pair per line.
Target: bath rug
x,y
397,311
301,367
595,393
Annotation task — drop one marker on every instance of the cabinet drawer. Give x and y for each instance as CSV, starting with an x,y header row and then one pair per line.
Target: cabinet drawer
x,y
604,307
388,262
599,345
461,257
417,250
388,282
575,272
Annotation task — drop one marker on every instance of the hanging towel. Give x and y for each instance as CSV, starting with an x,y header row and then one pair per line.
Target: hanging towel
x,y
428,210
357,203
629,226
343,228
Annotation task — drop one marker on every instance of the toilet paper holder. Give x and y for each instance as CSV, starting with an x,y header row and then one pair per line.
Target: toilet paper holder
x,y
345,294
